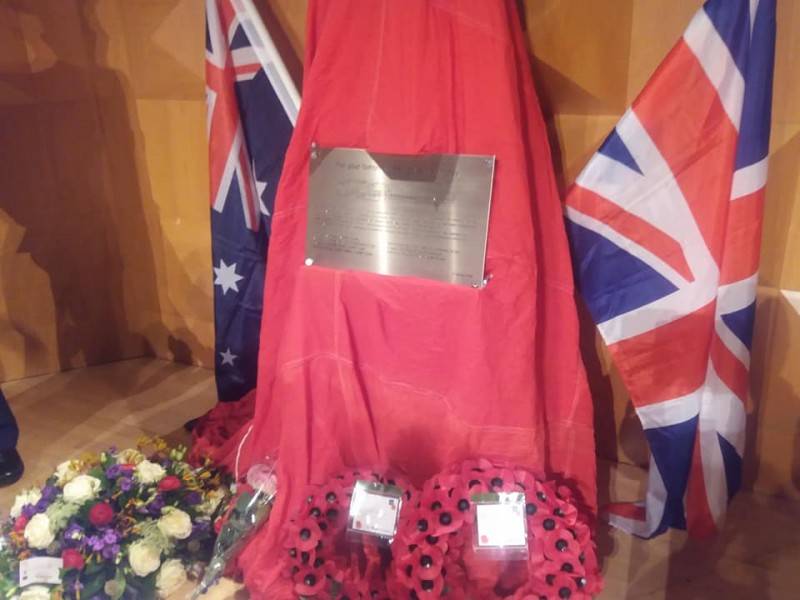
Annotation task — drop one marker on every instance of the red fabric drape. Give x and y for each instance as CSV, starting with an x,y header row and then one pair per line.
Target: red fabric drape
x,y
361,369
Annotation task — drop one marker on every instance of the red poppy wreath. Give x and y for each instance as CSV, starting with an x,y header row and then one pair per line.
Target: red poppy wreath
x,y
432,554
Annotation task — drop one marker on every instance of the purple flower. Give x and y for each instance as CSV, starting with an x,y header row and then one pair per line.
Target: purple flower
x,y
110,552
194,498
31,509
125,484
95,542
156,504
49,493
75,535
110,537
199,528
113,472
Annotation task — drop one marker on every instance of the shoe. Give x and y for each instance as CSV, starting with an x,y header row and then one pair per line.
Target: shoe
x,y
11,467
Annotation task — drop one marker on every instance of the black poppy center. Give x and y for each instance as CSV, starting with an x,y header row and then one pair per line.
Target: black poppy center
x,y
445,519
426,561
310,579
463,505
549,524
422,525
305,533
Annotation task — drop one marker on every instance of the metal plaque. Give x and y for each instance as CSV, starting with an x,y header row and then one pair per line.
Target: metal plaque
x,y
422,216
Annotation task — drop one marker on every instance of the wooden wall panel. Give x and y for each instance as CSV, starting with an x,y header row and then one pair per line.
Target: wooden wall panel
x,y
104,176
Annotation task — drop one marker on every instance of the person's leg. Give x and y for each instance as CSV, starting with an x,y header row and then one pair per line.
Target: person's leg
x,y
11,466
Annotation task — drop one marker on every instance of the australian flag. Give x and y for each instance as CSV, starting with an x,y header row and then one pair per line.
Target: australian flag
x,y
665,229
252,108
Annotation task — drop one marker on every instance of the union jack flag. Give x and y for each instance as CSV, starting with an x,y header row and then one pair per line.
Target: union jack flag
x,y
665,229
252,108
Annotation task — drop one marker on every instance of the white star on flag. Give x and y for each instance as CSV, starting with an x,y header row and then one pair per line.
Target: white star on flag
x,y
228,357
261,186
227,278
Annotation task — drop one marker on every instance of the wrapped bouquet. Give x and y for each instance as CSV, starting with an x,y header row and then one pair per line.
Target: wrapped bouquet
x,y
124,524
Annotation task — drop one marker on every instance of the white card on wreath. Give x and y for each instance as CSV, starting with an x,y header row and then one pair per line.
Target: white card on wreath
x,y
501,523
40,569
374,509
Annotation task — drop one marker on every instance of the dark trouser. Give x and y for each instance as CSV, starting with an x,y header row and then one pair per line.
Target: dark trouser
x,y
8,427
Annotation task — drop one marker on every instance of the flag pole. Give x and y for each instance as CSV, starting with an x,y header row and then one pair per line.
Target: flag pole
x,y
269,57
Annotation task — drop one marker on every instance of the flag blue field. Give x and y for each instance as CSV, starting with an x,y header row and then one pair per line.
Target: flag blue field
x,y
252,108
665,229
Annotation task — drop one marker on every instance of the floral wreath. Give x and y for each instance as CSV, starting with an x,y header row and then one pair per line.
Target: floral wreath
x,y
433,549
316,556
431,555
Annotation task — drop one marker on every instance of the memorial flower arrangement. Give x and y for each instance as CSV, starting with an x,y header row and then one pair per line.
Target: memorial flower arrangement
x,y
124,524
431,555
433,552
319,559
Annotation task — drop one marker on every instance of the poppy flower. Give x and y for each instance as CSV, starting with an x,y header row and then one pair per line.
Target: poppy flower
x,y
304,534
418,526
565,512
559,544
562,586
429,588
445,517
309,581
524,480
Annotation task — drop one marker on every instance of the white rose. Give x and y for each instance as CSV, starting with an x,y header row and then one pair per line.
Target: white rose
x,y
38,533
66,472
35,592
81,489
149,472
171,576
130,456
144,559
175,524
29,496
